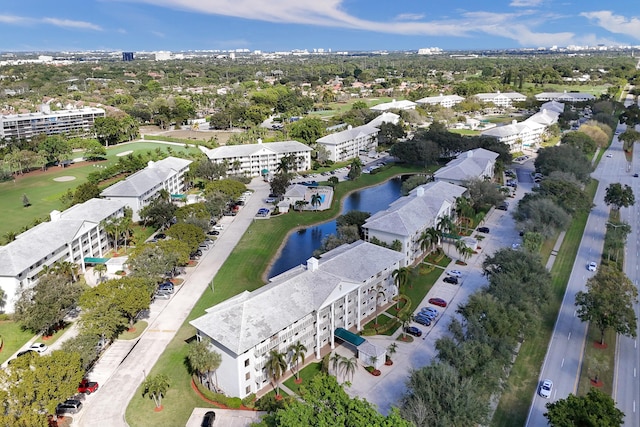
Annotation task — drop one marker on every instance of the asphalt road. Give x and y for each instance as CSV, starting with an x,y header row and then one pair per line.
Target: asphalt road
x,y
563,361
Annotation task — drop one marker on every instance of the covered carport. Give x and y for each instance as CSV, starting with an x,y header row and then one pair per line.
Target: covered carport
x,y
367,353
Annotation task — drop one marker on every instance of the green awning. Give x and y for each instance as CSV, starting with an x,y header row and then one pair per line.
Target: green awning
x,y
90,260
349,337
178,196
265,171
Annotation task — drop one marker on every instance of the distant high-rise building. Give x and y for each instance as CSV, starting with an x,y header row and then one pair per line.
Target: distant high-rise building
x,y
127,56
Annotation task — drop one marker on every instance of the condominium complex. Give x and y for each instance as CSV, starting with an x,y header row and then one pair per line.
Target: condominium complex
x,y
139,189
499,99
350,143
70,122
71,236
259,159
445,101
310,304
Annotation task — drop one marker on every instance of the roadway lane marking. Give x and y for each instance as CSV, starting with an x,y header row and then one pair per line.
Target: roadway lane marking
x,y
562,364
635,374
569,337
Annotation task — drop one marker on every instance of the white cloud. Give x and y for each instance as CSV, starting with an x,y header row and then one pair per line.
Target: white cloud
x,y
409,17
11,19
526,3
617,24
519,26
68,23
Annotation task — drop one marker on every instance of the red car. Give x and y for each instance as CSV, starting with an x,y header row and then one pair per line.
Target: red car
x,y
438,301
87,386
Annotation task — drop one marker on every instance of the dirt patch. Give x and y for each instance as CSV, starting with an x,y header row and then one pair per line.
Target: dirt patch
x,y
124,153
64,178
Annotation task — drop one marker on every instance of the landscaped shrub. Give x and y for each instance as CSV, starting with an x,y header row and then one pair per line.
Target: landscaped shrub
x,y
249,401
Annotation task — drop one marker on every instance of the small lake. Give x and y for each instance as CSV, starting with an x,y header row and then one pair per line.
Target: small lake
x,y
301,244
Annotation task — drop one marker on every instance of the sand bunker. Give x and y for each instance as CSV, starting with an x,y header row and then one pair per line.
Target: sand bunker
x,y
64,178
124,153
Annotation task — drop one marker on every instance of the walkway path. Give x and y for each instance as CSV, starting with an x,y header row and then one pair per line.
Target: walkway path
x,y
123,366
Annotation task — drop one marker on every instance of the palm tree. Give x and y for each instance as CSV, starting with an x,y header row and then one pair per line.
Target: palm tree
x,y
392,349
401,277
348,366
196,357
211,364
373,360
236,165
316,200
112,229
276,365
428,239
335,363
100,269
380,293
404,319
67,269
464,209
460,246
445,225
298,351
156,387
10,236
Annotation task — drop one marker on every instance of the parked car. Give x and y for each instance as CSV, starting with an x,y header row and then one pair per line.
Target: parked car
x,y
635,175
203,247
427,315
430,310
162,295
422,320
592,266
503,206
69,406
161,236
218,227
166,287
451,280
38,347
545,388
270,200
483,229
454,273
412,330
208,419
87,386
438,301
26,352
213,233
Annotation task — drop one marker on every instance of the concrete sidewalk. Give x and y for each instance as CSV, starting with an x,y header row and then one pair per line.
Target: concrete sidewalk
x,y
124,365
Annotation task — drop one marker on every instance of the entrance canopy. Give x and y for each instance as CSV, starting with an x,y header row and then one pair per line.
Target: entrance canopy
x,y
90,260
349,337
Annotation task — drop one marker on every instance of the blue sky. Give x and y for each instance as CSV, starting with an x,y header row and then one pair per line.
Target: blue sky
x,y
272,25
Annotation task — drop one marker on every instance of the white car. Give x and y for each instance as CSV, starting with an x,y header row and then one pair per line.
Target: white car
x,y
545,388
39,347
592,266
609,155
217,227
454,273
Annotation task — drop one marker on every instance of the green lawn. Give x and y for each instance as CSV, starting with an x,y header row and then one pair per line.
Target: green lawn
x,y
306,374
242,271
44,193
13,337
522,382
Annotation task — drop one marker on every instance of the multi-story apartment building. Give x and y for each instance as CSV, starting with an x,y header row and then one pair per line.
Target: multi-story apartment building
x,y
499,99
71,236
70,122
306,304
518,135
139,189
350,142
406,218
565,96
260,159
445,101
473,164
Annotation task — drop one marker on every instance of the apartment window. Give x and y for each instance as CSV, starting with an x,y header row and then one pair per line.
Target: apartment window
x,y
247,376
248,389
246,363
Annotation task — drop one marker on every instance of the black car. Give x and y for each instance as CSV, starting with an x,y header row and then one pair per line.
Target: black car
x,y
483,229
208,419
412,330
213,233
451,280
25,353
503,206
69,406
166,287
161,236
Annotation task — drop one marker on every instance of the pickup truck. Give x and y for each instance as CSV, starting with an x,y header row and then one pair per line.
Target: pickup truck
x,y
87,386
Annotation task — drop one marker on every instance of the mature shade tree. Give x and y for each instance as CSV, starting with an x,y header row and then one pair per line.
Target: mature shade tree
x,y
35,385
229,187
196,214
564,158
205,169
155,260
580,140
566,191
416,151
56,148
190,234
355,169
86,346
628,138
158,213
437,395
307,130
323,402
599,133
93,150
41,308
483,194
85,192
215,202
279,183
631,117
618,196
595,409
609,302
107,130
390,133
541,215
357,218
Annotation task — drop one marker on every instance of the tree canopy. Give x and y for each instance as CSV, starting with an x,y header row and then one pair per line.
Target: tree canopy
x,y
595,409
619,196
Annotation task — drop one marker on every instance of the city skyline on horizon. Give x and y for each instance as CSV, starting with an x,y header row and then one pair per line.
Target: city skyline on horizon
x,y
285,25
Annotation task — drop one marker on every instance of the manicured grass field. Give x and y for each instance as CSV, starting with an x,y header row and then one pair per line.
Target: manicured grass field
x,y
242,271
13,338
44,193
523,379
306,374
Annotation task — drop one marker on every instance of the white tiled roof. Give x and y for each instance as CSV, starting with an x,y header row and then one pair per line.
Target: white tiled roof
x,y
409,214
146,179
348,135
385,117
44,239
248,319
247,150
468,165
440,99
399,105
